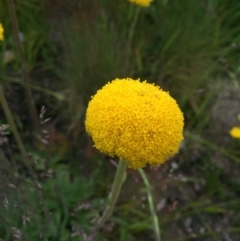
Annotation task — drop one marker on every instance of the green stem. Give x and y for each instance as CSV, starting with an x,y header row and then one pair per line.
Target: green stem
x,y
58,96
151,205
15,131
113,196
11,122
26,84
130,38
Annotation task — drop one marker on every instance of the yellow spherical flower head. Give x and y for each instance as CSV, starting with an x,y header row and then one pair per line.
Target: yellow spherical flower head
x,y
235,132
1,32
135,121
142,3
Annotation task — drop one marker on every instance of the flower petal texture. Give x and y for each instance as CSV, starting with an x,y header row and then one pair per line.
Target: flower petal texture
x,y
135,121
1,32
235,132
142,3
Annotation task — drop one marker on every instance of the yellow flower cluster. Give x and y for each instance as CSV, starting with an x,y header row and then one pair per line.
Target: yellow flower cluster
x,y
142,3
235,131
1,32
135,121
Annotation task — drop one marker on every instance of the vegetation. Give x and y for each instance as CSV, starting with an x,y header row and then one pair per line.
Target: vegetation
x,y
55,55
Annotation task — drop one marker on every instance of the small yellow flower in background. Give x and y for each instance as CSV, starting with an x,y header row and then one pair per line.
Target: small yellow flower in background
x,y
142,3
235,132
1,32
135,121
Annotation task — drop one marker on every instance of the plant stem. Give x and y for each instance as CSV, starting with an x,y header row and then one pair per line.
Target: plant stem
x,y
151,205
113,196
15,131
12,124
26,84
130,38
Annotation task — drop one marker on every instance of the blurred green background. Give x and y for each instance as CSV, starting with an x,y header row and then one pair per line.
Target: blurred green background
x,y
62,52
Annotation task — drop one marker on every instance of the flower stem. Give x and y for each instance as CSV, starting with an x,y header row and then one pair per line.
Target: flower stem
x,y
25,76
11,122
16,134
151,205
130,38
113,196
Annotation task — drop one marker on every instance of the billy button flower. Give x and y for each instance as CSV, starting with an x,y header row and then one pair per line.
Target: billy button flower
x,y
1,32
235,131
139,123
136,121
142,3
